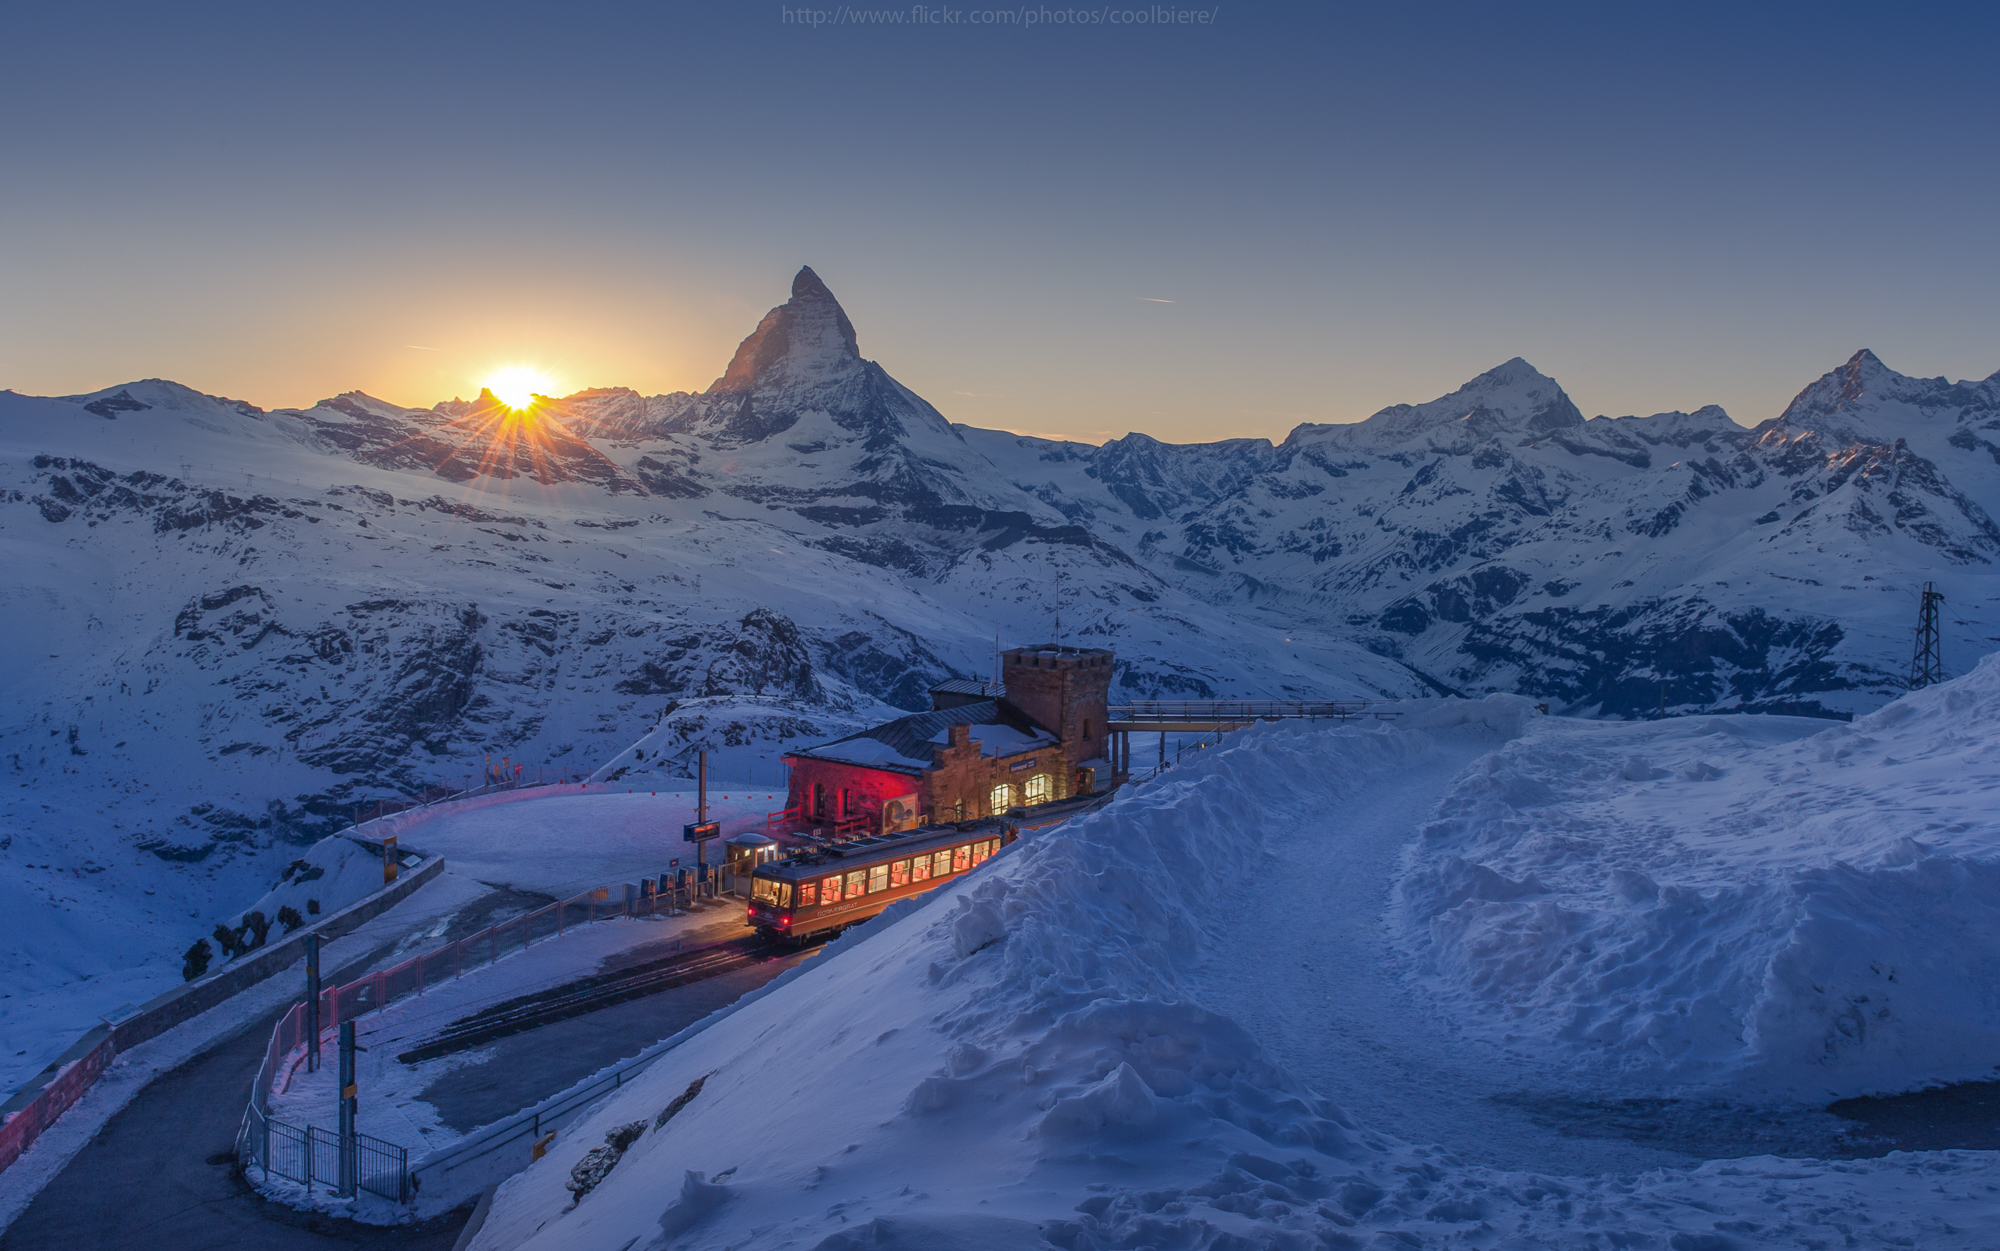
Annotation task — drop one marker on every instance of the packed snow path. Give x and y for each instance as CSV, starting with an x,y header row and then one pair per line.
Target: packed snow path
x,y
1304,960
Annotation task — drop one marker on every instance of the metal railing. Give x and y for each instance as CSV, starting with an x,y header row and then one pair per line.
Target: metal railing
x,y
311,1154
286,1050
1249,709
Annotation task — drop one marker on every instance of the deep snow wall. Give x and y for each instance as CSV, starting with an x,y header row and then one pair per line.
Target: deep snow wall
x,y
1761,903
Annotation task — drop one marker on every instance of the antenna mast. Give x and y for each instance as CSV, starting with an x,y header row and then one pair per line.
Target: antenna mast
x,y
1926,665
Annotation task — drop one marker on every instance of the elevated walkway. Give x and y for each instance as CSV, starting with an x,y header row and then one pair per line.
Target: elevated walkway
x,y
1209,715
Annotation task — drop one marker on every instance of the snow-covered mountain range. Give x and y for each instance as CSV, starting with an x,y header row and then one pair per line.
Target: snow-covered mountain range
x,y
232,626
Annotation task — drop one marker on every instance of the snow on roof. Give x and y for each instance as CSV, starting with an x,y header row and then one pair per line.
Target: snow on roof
x,y
966,686
904,745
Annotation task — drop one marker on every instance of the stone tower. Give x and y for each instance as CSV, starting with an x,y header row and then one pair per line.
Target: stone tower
x,y
1067,689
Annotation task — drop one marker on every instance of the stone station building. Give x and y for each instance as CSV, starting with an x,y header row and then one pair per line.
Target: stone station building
x,y
979,752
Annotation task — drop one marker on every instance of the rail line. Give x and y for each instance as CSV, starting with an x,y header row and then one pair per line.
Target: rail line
x,y
591,994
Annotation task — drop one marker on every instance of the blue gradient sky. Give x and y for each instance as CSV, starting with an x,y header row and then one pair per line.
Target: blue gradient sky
x,y
1351,206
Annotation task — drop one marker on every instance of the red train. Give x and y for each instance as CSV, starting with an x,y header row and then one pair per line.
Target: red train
x,y
838,885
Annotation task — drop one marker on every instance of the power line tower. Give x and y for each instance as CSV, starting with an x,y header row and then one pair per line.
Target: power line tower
x,y
1926,666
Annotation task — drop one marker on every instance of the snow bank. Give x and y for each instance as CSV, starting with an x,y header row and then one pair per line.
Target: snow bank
x,y
1014,1063
1771,904
333,873
1022,1030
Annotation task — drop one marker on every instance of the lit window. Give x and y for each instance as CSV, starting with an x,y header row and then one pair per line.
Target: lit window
x,y
808,894
765,891
857,883
878,878
1003,797
1038,789
829,890
899,873
961,858
941,863
920,869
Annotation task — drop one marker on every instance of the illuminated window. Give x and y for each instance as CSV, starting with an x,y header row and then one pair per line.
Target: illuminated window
x,y
1038,789
961,858
765,891
941,863
878,878
829,890
920,869
1003,797
899,873
808,894
857,884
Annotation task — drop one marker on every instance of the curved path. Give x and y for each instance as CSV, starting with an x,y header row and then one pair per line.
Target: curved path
x,y
161,1175
1335,1003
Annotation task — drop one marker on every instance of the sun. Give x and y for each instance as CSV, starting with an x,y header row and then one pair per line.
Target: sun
x,y
517,386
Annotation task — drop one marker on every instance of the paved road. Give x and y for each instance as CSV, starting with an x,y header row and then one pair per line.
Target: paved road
x,y
161,1175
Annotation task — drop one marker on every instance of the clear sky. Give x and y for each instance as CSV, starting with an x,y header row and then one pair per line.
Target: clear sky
x,y
1348,205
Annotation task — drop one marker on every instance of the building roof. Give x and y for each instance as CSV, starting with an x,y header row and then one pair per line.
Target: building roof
x,y
966,686
904,745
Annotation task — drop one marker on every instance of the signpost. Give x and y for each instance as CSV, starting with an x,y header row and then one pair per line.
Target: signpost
x,y
389,857
702,828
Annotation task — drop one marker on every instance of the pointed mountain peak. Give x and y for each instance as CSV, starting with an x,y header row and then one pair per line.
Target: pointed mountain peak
x,y
805,340
806,283
1512,396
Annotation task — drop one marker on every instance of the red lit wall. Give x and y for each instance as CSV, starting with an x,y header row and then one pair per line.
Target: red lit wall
x,y
868,789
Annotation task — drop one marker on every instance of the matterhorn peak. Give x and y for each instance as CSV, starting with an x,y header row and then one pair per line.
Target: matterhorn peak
x,y
805,340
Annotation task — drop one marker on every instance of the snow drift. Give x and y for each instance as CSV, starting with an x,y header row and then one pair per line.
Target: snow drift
x,y
1016,1063
1764,903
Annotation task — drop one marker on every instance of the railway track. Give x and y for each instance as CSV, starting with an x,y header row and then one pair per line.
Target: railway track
x,y
590,994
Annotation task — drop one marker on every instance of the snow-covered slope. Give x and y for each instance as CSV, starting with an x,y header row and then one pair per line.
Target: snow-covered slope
x,y
1027,1060
1763,902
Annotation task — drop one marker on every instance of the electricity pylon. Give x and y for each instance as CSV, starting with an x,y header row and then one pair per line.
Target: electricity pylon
x,y
1926,666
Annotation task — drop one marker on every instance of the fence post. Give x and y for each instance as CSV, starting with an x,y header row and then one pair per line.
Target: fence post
x,y
312,1002
349,1164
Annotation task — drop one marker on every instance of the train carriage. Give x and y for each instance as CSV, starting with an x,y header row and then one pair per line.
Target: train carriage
x,y
831,887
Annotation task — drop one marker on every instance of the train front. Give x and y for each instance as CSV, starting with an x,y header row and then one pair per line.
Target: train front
x,y
772,896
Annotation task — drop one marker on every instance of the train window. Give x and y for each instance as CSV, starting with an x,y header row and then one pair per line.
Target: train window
x,y
961,858
829,890
899,873
857,883
878,878
808,894
979,852
941,863
765,891
1003,797
1038,789
920,869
